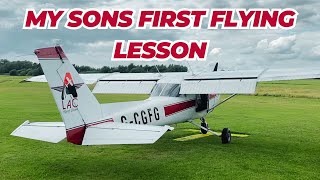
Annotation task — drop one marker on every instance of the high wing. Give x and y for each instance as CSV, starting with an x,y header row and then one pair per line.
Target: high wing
x,y
241,82
221,82
218,82
87,78
124,83
289,74
135,83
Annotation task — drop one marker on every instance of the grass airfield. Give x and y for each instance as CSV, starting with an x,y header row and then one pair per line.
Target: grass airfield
x,y
282,120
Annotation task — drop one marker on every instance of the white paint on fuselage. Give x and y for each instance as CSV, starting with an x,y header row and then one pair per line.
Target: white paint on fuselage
x,y
152,112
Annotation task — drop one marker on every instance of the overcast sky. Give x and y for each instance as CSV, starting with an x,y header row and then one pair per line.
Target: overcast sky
x,y
234,49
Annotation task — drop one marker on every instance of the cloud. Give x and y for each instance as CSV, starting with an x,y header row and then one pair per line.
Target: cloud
x,y
96,44
282,45
215,51
263,44
316,51
55,41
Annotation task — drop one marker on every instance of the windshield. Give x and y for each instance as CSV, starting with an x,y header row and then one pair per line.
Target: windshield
x,y
171,90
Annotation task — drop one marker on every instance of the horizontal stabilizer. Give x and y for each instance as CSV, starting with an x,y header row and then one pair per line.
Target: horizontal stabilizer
x,y
53,132
118,133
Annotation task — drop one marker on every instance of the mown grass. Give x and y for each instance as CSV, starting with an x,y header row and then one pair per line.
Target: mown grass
x,y
298,88
283,142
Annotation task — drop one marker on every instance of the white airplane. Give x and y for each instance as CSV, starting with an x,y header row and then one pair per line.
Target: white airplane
x,y
175,98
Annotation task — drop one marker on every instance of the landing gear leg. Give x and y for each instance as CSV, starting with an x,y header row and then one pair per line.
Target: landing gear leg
x,y
225,135
205,125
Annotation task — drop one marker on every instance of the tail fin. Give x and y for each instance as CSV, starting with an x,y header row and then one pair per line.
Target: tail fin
x,y
76,104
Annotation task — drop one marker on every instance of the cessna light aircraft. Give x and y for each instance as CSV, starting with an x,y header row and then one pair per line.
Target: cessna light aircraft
x,y
175,98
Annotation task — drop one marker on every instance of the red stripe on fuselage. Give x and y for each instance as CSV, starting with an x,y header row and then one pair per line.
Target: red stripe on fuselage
x,y
212,96
181,106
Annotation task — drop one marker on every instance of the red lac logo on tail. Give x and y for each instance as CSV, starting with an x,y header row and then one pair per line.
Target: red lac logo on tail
x,y
69,93
69,87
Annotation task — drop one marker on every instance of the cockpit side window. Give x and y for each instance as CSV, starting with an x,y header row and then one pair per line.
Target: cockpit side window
x,y
169,90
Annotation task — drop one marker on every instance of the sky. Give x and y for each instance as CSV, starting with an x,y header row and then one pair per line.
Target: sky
x,y
233,49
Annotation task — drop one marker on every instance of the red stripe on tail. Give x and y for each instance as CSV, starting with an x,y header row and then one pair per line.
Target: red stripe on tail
x,y
76,135
50,52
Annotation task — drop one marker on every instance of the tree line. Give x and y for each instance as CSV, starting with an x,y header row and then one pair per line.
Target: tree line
x,y
27,68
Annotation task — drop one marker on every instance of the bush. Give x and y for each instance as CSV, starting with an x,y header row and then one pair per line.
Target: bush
x,y
29,73
13,72
22,73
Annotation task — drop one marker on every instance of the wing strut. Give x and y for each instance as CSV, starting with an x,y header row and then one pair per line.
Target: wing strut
x,y
225,100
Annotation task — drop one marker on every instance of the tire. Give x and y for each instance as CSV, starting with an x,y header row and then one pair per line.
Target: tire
x,y
226,136
202,130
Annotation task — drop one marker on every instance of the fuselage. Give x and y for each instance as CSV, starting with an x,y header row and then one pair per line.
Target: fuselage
x,y
162,110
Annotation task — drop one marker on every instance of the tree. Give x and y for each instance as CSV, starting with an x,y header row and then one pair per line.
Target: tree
x,y
29,73
105,69
137,70
130,66
123,69
153,69
35,72
22,73
13,72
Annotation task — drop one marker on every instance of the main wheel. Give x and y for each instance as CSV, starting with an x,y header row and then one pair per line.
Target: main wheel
x,y
205,125
226,136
